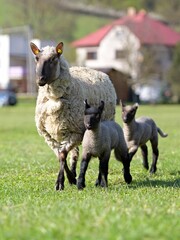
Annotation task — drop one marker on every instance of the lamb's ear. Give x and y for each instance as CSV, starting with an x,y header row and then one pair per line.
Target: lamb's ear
x,y
59,48
101,107
34,48
122,104
86,104
136,105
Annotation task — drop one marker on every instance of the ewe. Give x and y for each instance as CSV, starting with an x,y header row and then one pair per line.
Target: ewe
x,y
98,141
138,132
60,108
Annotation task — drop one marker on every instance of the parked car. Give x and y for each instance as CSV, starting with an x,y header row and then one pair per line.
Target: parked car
x,y
154,92
7,98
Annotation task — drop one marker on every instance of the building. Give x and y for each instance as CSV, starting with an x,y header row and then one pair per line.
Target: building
x,y
17,68
117,49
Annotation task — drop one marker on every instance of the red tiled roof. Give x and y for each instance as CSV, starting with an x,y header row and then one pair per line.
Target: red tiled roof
x,y
147,29
93,39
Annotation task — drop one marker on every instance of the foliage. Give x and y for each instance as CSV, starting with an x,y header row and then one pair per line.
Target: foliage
x,y
30,208
170,11
174,73
46,20
50,22
148,66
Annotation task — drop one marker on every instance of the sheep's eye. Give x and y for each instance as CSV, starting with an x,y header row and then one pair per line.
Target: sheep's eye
x,y
37,58
53,59
97,116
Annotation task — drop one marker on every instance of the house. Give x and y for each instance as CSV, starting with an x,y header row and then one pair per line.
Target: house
x,y
17,68
117,48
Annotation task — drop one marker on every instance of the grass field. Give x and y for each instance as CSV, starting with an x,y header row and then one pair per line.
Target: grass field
x,y
30,208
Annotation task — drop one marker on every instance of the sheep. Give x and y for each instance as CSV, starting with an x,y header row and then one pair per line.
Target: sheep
x,y
59,107
98,141
138,132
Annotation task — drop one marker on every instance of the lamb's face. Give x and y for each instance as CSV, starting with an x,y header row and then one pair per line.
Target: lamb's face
x,y
128,113
47,63
92,115
92,118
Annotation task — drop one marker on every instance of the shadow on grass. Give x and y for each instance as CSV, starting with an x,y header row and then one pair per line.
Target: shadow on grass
x,y
156,183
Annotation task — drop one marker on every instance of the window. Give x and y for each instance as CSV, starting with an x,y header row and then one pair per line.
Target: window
x,y
121,54
91,55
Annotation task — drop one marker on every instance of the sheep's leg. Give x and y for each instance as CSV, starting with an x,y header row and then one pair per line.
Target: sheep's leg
x,y
144,151
73,160
60,178
83,169
69,174
155,151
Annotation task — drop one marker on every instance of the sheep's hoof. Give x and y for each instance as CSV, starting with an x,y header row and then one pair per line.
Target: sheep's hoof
x,y
71,178
146,166
152,170
128,178
97,183
59,187
80,185
100,184
72,181
80,188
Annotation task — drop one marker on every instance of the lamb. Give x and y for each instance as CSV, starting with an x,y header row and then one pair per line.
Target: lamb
x,y
98,141
138,132
60,108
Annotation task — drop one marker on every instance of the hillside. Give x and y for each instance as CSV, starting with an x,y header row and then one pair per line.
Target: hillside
x,y
48,20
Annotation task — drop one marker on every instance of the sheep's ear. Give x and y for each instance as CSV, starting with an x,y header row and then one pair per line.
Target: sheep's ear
x,y
34,48
86,104
101,107
59,48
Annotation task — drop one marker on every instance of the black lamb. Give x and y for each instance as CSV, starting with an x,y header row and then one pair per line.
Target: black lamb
x,y
98,141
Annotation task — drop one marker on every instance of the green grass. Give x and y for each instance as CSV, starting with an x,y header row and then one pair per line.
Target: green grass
x,y
30,208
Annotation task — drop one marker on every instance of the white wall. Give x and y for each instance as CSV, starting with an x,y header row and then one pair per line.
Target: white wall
x,y
118,38
4,61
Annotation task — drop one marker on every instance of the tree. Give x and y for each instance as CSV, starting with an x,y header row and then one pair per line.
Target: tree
x,y
174,72
150,65
45,18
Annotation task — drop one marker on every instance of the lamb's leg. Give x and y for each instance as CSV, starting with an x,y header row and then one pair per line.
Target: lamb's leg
x,y
73,160
60,178
98,180
126,170
132,152
121,154
144,151
83,168
126,164
103,170
155,151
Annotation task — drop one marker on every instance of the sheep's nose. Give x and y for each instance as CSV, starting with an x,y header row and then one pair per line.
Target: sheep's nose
x,y
125,119
42,81
88,126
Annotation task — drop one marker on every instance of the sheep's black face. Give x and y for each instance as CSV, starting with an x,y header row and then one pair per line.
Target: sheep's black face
x,y
128,113
92,118
47,69
47,63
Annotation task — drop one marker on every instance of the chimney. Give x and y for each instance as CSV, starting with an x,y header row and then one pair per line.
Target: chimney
x,y
131,11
